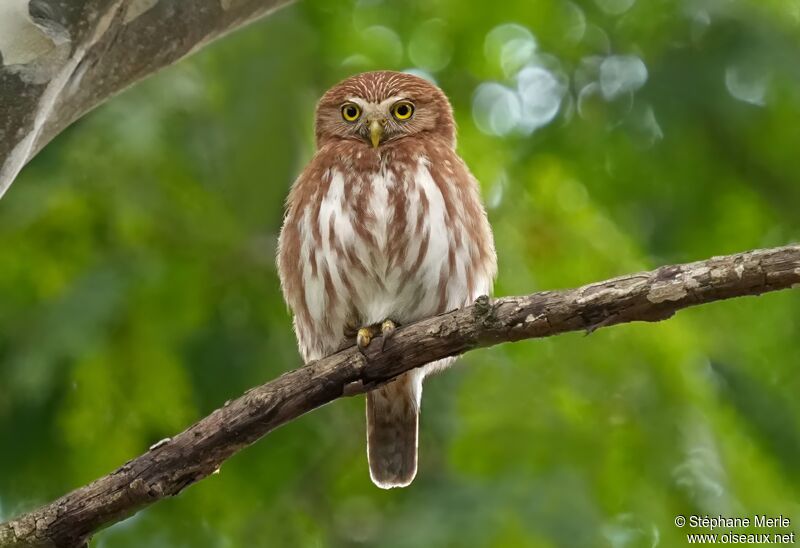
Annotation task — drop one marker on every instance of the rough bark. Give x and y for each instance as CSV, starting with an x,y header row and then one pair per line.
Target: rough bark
x,y
197,452
59,59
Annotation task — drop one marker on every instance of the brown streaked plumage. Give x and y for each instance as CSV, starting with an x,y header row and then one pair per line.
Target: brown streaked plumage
x,y
385,223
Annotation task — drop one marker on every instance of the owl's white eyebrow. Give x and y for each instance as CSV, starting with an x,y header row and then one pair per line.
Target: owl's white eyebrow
x,y
392,99
357,100
362,103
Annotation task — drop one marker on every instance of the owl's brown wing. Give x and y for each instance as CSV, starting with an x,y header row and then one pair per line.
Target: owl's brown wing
x,y
297,246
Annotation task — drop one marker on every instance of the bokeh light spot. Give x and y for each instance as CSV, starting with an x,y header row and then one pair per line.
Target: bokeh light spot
x,y
575,27
747,84
495,108
510,46
540,93
384,42
430,47
620,74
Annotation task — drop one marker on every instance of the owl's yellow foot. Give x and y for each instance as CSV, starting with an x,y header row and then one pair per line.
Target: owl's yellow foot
x,y
388,327
363,338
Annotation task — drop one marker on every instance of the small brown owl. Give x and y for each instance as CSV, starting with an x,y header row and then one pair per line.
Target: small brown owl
x,y
384,227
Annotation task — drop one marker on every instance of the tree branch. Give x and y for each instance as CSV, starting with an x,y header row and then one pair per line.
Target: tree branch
x,y
58,60
199,451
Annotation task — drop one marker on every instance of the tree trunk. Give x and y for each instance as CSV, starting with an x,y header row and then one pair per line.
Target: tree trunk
x,y
59,59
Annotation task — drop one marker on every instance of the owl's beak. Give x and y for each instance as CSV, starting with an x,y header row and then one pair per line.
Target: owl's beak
x,y
375,132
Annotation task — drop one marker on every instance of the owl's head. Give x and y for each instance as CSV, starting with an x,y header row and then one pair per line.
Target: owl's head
x,y
381,107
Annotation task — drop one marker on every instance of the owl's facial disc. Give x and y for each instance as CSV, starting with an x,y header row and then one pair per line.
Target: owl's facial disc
x,y
381,109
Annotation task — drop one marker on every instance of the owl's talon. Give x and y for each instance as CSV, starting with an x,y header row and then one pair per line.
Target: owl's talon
x,y
388,327
363,338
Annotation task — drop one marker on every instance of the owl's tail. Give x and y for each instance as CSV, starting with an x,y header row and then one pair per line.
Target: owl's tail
x,y
392,423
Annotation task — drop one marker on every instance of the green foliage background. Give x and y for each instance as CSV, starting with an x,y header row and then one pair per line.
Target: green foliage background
x,y
138,289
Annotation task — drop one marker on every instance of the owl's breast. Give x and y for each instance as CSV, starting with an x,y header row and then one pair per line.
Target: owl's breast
x,y
390,245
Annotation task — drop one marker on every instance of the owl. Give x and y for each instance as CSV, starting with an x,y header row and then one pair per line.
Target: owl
x,y
384,227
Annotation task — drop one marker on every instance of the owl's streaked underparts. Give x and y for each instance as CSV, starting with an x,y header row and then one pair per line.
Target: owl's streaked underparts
x,y
383,227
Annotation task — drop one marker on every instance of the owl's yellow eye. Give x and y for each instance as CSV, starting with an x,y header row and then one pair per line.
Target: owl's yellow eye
x,y
402,110
351,112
